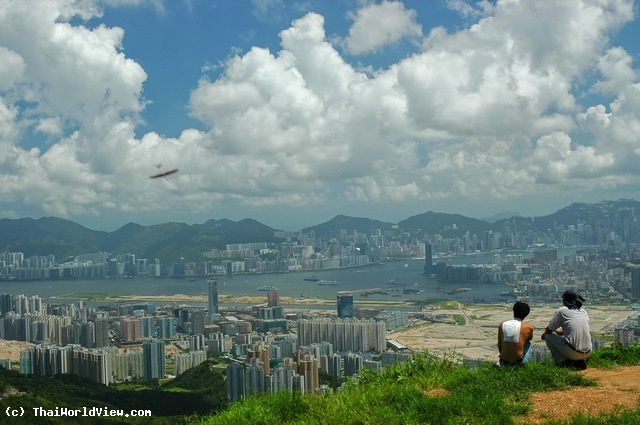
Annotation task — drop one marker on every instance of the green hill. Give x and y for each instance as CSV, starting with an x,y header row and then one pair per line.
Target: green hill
x,y
434,391
200,391
428,390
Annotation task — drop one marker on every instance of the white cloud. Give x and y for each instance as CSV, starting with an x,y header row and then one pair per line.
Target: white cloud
x,y
616,66
378,25
11,68
267,10
488,112
470,9
158,5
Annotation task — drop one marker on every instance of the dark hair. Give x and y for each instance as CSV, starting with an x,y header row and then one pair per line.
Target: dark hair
x,y
572,299
521,310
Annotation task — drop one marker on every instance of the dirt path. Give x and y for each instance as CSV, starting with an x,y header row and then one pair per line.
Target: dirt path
x,y
618,388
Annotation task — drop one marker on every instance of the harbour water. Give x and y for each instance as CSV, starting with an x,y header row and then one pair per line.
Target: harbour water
x,y
357,280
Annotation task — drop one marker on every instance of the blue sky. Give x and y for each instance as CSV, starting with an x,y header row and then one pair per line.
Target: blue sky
x,y
292,112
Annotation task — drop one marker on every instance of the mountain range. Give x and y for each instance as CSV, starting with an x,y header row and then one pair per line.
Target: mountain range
x,y
171,241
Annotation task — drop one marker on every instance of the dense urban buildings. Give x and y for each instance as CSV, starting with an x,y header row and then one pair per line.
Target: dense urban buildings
x,y
271,349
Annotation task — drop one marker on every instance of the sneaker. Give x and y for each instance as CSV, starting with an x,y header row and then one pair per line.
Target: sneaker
x,y
580,364
573,364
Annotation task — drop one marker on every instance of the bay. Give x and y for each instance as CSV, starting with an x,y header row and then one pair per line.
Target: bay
x,y
357,280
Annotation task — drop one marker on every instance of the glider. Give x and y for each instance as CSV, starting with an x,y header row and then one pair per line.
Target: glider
x,y
163,173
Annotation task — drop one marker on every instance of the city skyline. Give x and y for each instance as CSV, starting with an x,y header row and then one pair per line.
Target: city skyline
x,y
293,112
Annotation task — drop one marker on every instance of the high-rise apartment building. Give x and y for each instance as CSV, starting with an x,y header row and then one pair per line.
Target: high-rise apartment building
x,y
92,364
130,329
235,382
428,259
259,354
282,379
334,365
309,368
344,334
273,298
128,365
254,377
166,327
153,358
352,364
345,304
635,283
102,333
88,335
185,361
147,326
213,296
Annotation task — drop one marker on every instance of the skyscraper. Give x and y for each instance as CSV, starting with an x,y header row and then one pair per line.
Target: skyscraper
x,y
282,379
213,296
635,283
147,326
102,333
130,329
428,259
352,364
308,367
259,354
166,327
345,304
273,298
153,359
235,382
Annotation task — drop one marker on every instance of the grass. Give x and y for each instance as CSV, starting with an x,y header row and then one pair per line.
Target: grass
x,y
460,319
431,390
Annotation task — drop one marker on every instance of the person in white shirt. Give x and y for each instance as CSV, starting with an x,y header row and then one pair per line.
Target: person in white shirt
x,y
568,334
514,337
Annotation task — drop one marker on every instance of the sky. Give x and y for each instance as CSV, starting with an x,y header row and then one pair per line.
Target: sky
x,y
292,112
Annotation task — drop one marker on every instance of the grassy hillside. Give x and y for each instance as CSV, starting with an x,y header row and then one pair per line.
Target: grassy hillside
x,y
432,391
200,391
428,390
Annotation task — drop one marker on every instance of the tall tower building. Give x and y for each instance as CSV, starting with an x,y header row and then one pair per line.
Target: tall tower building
x,y
197,322
6,304
259,354
335,365
102,333
88,335
153,359
273,298
428,259
213,296
352,364
130,329
308,367
635,283
147,326
282,379
235,382
345,304
254,378
166,327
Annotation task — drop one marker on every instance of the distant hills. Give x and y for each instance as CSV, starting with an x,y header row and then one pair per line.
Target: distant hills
x,y
171,241
168,241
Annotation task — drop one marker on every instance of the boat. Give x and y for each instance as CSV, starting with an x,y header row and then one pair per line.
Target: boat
x,y
458,290
311,279
328,282
395,282
266,288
